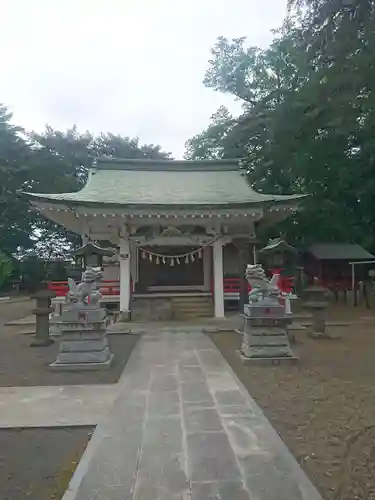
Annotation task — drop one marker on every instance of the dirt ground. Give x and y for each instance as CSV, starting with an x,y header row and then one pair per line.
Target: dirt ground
x,y
323,407
37,464
22,365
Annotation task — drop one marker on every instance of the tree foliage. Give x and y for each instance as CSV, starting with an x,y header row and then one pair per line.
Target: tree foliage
x,y
308,117
49,162
5,268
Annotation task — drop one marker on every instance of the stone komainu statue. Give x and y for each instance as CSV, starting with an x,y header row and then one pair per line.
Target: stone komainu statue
x,y
88,290
261,287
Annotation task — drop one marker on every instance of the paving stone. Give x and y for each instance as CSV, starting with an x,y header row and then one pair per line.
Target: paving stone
x,y
113,464
188,358
112,493
212,360
191,374
236,410
137,381
163,404
164,382
246,436
161,479
198,420
199,404
223,490
163,434
195,392
222,381
130,407
226,398
211,457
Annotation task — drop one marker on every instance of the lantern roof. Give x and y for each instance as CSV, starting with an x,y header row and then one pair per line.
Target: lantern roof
x,y
91,248
277,245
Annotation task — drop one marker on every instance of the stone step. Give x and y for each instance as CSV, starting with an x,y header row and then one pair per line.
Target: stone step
x,y
191,300
184,307
187,308
187,317
194,307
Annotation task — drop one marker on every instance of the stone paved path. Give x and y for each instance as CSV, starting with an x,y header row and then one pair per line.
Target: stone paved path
x,y
183,427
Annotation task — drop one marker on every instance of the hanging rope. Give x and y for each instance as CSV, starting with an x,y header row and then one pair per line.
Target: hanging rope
x,y
174,259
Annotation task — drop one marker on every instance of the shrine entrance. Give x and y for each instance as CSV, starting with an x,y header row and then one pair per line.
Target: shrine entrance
x,y
156,274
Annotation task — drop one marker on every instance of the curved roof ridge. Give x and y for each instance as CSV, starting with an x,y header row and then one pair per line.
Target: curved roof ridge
x,y
147,164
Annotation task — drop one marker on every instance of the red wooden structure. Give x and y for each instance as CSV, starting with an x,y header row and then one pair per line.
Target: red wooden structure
x,y
232,287
108,287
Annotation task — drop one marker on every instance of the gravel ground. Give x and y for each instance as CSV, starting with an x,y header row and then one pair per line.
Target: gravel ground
x,y
10,311
323,407
22,365
37,464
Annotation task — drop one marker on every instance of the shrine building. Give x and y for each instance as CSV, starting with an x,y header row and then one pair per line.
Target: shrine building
x,y
178,228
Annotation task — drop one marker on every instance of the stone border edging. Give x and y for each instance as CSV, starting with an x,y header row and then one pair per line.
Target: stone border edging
x,y
10,300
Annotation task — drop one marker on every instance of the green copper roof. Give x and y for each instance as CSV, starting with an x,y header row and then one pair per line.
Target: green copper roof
x,y
277,244
339,251
165,182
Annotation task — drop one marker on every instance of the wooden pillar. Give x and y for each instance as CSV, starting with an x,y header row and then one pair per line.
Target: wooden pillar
x,y
217,250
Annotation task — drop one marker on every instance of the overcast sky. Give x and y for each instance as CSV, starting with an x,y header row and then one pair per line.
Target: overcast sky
x,y
130,67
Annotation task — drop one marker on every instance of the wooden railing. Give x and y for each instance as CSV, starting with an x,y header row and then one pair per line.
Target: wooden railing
x,y
108,287
232,287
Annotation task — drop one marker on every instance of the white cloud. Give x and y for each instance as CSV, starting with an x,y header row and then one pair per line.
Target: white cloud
x,y
134,68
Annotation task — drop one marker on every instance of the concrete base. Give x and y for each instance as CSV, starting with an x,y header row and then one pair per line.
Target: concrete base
x,y
267,361
83,356
41,342
124,316
71,367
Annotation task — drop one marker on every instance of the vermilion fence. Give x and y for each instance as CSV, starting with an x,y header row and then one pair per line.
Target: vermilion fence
x,y
232,287
108,287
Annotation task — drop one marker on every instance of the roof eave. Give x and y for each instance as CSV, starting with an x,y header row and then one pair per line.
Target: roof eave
x,y
45,198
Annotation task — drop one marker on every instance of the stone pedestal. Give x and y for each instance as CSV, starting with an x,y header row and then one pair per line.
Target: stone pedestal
x,y
265,334
83,340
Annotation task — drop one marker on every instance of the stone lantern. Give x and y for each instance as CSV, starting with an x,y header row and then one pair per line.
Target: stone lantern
x,y
91,255
315,301
42,311
278,255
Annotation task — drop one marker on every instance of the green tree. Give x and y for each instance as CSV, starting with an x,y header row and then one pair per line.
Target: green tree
x,y
49,162
308,122
5,269
64,159
14,155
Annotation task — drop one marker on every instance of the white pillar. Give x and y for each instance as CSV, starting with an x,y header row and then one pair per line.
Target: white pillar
x,y
124,278
207,268
217,248
134,263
